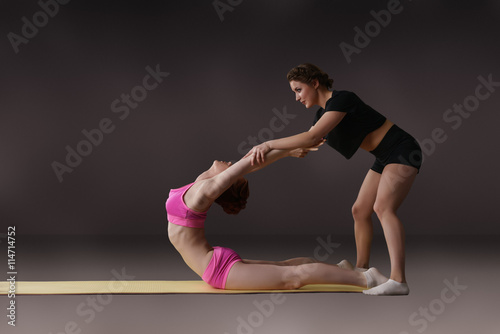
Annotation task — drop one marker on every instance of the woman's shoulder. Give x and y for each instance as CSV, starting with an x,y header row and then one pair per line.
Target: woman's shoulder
x,y
338,94
197,195
341,100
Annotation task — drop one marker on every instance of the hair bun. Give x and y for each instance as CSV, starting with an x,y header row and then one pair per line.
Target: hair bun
x,y
308,72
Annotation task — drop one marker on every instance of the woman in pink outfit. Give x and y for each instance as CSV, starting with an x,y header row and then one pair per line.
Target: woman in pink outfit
x,y
221,267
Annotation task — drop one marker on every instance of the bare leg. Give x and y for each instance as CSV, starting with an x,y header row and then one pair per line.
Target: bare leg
x,y
362,211
266,276
394,186
290,262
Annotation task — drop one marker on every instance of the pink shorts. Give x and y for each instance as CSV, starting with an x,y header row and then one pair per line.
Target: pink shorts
x,y
217,270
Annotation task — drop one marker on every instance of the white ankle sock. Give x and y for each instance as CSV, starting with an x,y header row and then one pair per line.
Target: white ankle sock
x,y
360,269
345,265
389,288
374,277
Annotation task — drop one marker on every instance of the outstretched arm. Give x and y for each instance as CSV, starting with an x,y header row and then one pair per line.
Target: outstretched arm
x,y
305,139
215,186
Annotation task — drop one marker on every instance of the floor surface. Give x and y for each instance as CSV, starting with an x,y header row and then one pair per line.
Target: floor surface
x,y
452,281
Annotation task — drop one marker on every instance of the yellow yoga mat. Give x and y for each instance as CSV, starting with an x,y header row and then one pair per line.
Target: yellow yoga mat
x,y
148,287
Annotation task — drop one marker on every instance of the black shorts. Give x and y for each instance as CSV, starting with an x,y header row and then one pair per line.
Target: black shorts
x,y
397,147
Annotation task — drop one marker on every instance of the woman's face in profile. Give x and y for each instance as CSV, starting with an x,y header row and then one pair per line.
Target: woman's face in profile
x,y
304,93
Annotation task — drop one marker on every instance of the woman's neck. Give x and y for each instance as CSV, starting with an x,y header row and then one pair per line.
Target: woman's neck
x,y
205,175
209,173
323,96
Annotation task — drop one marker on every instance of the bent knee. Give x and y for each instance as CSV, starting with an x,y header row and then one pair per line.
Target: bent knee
x,y
360,211
299,260
292,285
381,209
292,278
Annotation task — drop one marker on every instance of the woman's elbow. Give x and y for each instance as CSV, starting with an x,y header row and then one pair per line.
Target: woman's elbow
x,y
313,139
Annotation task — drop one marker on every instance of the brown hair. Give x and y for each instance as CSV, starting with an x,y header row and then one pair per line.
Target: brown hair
x,y
306,73
234,199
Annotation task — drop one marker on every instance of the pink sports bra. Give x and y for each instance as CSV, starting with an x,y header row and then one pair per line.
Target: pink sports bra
x,y
179,214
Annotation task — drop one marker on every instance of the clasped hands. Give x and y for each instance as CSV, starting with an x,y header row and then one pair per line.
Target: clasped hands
x,y
258,153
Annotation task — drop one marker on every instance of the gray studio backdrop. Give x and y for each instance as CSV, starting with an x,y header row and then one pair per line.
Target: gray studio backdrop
x,y
106,105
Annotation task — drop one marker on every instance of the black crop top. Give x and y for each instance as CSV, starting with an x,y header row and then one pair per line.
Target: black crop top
x,y
360,120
